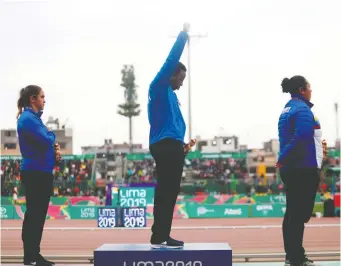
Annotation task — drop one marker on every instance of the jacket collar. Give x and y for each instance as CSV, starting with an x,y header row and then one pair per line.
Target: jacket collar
x,y
297,96
33,112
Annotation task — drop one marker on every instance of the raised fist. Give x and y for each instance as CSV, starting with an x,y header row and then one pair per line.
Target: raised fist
x,y
186,27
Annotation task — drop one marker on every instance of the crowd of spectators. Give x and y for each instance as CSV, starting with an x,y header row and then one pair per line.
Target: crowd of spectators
x,y
221,169
10,176
72,177
141,171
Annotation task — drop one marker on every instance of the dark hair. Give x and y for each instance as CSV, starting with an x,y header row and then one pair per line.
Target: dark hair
x,y
294,84
180,66
24,98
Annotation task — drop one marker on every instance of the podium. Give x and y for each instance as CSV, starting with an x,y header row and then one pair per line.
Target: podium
x,y
192,254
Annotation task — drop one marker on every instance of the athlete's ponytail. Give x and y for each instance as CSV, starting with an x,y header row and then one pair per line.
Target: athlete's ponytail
x,y
25,95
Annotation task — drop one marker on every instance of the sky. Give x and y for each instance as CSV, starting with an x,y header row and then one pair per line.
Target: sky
x,y
75,49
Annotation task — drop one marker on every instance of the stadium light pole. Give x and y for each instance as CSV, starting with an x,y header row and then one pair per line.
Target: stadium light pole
x,y
336,105
190,36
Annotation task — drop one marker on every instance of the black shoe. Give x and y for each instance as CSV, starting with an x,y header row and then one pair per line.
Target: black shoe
x,y
170,243
37,263
290,263
27,262
307,262
178,241
45,261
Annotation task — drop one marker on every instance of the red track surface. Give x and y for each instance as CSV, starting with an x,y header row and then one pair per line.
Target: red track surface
x,y
241,240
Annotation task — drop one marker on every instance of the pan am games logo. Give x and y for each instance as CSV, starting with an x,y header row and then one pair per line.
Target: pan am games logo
x,y
88,212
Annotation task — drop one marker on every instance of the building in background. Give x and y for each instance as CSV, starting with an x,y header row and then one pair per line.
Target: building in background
x,y
111,148
9,142
218,144
272,146
262,162
110,162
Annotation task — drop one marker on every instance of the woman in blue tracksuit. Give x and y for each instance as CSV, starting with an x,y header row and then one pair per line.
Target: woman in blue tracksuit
x,y
39,154
299,161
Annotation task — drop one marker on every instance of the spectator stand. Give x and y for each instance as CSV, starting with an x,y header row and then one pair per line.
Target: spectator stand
x,y
73,176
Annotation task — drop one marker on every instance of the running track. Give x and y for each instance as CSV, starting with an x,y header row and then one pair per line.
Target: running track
x,y
83,242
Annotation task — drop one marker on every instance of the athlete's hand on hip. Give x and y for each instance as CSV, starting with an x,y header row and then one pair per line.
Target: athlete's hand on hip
x,y
58,157
56,146
57,152
279,165
325,149
189,145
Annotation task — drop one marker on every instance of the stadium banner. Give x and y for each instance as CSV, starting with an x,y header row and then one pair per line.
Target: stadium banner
x,y
64,156
84,201
79,200
147,156
6,212
180,211
61,212
10,157
134,217
236,199
217,211
191,155
281,199
19,212
57,212
334,153
58,200
107,217
7,201
83,212
268,210
114,196
144,196
135,197
275,199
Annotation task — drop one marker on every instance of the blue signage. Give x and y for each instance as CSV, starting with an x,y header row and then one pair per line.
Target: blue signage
x,y
134,217
107,217
136,197
192,254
